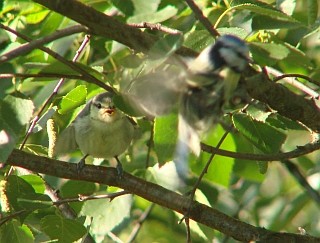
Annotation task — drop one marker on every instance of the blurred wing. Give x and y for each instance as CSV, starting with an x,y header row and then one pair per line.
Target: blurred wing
x,y
66,141
154,94
188,139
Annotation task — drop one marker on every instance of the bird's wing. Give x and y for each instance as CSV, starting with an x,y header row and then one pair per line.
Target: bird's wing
x,y
66,141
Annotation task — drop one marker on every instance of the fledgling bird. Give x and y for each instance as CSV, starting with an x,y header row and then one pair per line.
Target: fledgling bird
x,y
99,130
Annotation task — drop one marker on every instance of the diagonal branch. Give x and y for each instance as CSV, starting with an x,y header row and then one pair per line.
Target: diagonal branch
x,y
156,194
28,47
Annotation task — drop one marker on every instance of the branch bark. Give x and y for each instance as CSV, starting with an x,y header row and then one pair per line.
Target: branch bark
x,y
156,194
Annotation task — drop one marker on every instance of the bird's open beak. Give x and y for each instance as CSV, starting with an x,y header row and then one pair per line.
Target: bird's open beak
x,y
110,111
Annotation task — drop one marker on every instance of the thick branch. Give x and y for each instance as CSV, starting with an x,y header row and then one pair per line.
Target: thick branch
x,y
157,194
284,101
106,26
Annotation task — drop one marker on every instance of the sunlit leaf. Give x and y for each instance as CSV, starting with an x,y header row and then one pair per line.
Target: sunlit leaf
x,y
165,137
262,135
107,215
12,231
73,99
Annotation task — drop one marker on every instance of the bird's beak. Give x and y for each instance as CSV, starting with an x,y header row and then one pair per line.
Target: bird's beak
x,y
110,111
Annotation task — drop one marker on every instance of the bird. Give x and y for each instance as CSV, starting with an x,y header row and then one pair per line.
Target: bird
x,y
198,90
99,130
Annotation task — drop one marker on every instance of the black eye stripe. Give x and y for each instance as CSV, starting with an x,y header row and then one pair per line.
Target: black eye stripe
x,y
98,105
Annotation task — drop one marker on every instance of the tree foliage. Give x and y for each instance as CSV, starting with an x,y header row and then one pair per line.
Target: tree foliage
x,y
263,177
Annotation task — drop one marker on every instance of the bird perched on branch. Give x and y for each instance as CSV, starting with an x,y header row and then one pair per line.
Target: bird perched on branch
x,y
100,130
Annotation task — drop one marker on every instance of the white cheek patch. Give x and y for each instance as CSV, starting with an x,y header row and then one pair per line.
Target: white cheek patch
x,y
233,59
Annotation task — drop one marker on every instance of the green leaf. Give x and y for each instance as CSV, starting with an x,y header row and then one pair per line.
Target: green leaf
x,y
266,10
34,201
57,67
198,40
125,7
266,22
157,17
221,168
16,187
107,215
71,189
247,169
36,18
165,137
284,123
142,6
36,181
262,135
268,53
73,99
15,114
12,231
61,229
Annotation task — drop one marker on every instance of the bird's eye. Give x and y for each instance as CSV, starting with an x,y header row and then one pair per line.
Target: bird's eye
x,y
98,105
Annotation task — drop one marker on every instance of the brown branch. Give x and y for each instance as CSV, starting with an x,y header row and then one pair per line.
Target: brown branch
x,y
204,20
284,101
205,169
28,47
301,150
158,27
89,77
296,75
40,75
106,26
156,194
82,198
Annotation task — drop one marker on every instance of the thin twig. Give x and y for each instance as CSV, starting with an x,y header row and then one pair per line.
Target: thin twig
x,y
199,15
296,75
89,77
40,75
11,216
82,198
187,221
295,172
205,169
28,47
157,26
301,150
139,223
289,79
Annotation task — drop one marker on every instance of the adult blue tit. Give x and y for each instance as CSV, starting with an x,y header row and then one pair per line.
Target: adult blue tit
x,y
100,130
213,77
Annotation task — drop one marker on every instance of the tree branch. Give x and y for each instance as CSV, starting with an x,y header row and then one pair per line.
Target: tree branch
x,y
284,101
154,193
28,47
301,150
